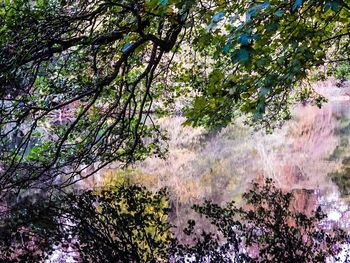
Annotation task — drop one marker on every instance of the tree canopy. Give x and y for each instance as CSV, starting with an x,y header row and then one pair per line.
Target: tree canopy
x,y
81,81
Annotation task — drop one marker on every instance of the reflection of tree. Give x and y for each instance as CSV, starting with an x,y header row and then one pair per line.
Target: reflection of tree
x,y
121,224
267,229
341,177
130,224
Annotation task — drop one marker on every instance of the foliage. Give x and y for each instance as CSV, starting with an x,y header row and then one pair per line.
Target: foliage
x,y
78,79
80,84
261,52
82,80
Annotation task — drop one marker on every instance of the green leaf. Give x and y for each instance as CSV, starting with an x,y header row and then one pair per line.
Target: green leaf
x,y
279,13
227,48
297,4
199,103
241,55
218,16
244,39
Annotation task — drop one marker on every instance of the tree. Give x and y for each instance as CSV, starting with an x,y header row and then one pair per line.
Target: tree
x,y
82,80
92,61
261,52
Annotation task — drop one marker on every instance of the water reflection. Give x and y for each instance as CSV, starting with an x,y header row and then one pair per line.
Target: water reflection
x,y
309,155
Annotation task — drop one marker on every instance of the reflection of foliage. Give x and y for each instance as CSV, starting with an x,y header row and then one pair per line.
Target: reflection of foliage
x,y
129,176
130,224
267,230
341,72
125,224
29,231
342,177
120,224
340,150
